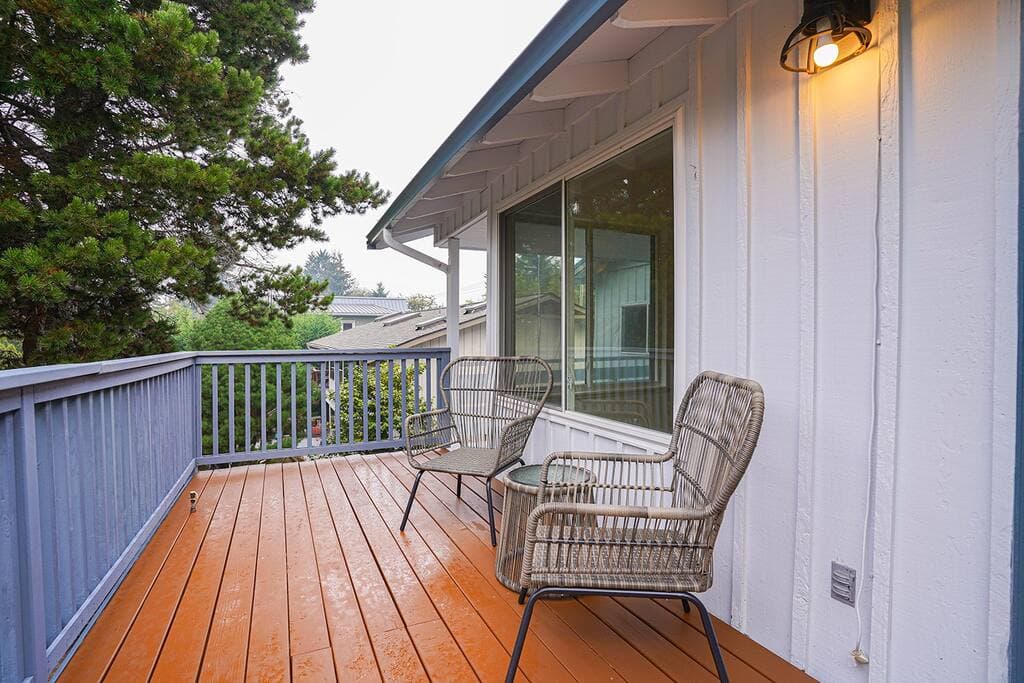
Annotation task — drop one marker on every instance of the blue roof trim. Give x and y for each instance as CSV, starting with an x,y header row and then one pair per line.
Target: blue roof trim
x,y
573,23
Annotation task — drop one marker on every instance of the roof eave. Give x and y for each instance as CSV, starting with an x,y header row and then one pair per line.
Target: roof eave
x,y
570,26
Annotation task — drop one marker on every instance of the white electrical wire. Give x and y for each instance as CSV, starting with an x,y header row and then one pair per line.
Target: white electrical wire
x,y
857,653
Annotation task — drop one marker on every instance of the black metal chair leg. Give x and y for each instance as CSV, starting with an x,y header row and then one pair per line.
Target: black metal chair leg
x,y
458,486
686,605
709,631
490,514
524,627
412,495
522,595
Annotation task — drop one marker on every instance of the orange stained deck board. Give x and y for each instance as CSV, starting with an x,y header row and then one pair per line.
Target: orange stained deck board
x,y
297,571
229,629
268,658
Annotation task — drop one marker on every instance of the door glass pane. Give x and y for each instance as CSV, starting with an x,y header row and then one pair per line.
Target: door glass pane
x,y
619,336
533,282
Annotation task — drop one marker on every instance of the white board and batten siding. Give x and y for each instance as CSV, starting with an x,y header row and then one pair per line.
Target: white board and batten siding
x,y
776,215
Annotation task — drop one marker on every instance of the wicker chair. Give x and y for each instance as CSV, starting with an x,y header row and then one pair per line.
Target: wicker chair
x,y
645,525
491,405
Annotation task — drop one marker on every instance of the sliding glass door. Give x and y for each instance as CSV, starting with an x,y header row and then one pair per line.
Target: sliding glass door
x,y
601,252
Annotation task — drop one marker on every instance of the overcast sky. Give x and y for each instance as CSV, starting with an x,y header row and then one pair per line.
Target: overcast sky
x,y
385,83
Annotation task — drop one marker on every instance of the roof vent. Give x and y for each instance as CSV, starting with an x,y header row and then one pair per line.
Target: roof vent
x,y
473,308
432,321
401,318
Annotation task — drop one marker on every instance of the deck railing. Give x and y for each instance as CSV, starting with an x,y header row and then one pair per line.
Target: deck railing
x,y
93,455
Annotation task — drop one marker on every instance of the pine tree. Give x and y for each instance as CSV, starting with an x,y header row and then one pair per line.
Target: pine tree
x,y
147,151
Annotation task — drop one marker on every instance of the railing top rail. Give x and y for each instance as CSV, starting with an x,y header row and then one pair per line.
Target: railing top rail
x,y
44,374
211,357
23,377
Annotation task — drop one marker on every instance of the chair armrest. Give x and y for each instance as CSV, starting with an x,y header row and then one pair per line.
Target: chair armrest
x,y
617,479
670,514
513,440
575,533
428,432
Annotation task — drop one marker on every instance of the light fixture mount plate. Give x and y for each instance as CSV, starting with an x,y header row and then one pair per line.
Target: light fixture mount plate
x,y
856,11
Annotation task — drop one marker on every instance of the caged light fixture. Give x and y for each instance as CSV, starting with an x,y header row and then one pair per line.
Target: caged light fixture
x,y
830,32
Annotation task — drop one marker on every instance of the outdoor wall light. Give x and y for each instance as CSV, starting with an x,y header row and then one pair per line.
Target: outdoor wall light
x,y
830,32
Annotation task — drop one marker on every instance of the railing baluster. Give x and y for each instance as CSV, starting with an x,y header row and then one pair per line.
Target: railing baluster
x,y
309,405
337,402
323,404
405,393
378,404
416,385
295,435
248,412
366,405
197,409
430,384
263,406
351,404
391,399
231,408
214,426
280,435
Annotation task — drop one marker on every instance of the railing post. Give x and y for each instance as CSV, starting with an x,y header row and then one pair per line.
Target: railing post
x,y
30,543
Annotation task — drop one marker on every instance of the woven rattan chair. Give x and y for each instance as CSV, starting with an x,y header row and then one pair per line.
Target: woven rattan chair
x,y
491,405
645,525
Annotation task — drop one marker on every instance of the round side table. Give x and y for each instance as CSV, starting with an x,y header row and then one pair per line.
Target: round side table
x,y
521,487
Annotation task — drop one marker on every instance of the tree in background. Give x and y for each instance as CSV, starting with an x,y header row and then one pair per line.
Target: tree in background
x,y
421,302
309,326
223,328
147,150
329,266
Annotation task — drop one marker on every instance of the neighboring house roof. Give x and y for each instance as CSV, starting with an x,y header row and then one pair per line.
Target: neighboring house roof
x,y
559,38
399,329
366,306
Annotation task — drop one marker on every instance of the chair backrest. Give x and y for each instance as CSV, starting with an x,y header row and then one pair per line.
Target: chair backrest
x,y
485,394
713,439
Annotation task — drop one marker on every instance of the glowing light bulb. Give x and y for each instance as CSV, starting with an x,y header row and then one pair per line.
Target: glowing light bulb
x,y
826,53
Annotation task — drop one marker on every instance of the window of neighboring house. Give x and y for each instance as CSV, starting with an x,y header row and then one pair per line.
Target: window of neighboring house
x,y
633,337
615,334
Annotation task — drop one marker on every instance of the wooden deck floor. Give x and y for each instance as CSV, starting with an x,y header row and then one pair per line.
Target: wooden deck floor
x,y
298,571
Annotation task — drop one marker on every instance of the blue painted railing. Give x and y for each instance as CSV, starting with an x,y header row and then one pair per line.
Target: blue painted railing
x,y
93,455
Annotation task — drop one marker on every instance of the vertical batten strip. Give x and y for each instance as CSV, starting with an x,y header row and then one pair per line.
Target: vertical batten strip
x,y
800,634
739,593
1005,372
889,244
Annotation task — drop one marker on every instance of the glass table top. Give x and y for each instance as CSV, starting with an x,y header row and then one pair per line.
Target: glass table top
x,y
530,475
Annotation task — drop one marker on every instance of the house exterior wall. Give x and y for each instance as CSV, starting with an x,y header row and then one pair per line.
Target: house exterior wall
x,y
784,185
472,341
